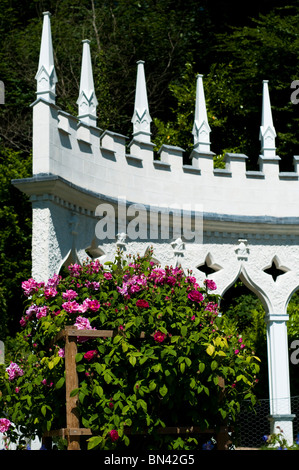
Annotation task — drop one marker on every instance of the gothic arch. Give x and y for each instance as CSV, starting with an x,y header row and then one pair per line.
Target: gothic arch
x,y
253,286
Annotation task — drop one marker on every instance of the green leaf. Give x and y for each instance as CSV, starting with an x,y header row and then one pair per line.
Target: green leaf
x,y
94,442
74,392
107,377
214,365
85,422
125,409
132,360
78,357
174,339
220,353
99,368
99,390
169,311
163,390
152,385
210,349
184,330
60,383
143,404
188,361
163,330
216,380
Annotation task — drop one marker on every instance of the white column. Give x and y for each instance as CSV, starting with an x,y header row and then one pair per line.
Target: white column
x,y
279,380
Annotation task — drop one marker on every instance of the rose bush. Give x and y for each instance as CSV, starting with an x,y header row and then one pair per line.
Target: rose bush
x,y
172,362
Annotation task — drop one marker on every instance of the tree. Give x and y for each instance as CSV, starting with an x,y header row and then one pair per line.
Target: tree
x,y
15,240
267,48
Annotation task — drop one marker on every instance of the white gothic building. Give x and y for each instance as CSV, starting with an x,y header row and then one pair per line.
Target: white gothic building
x,y
242,222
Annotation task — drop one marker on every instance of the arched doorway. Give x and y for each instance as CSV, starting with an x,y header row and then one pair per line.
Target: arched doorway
x,y
246,310
242,306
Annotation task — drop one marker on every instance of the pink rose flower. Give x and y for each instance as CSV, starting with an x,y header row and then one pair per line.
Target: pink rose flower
x,y
14,371
50,292
195,296
71,306
82,323
61,352
142,303
114,435
210,284
42,312
69,294
29,287
4,424
107,276
159,336
92,305
89,355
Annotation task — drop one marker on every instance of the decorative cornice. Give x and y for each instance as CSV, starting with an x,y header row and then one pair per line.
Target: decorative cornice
x,y
265,226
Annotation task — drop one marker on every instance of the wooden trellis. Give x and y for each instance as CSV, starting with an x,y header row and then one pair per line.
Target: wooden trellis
x,y
73,432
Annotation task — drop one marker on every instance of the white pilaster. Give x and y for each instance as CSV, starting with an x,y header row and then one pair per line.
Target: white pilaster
x,y
87,101
278,371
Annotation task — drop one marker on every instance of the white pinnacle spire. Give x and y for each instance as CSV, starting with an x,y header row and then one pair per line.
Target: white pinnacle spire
x,y
201,129
46,76
87,101
141,117
267,130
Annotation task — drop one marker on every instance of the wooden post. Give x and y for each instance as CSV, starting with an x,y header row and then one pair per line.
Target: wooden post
x,y
71,383
223,439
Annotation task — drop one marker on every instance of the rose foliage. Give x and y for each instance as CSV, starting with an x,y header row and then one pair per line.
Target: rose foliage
x,y
172,362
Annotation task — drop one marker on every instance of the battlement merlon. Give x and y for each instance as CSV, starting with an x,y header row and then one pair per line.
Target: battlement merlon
x,y
75,149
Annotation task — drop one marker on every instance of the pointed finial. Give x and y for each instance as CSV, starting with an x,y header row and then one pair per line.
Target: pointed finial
x,y
141,117
46,76
267,130
87,101
201,129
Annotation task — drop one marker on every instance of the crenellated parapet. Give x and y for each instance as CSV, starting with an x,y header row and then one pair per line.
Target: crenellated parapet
x,y
105,162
